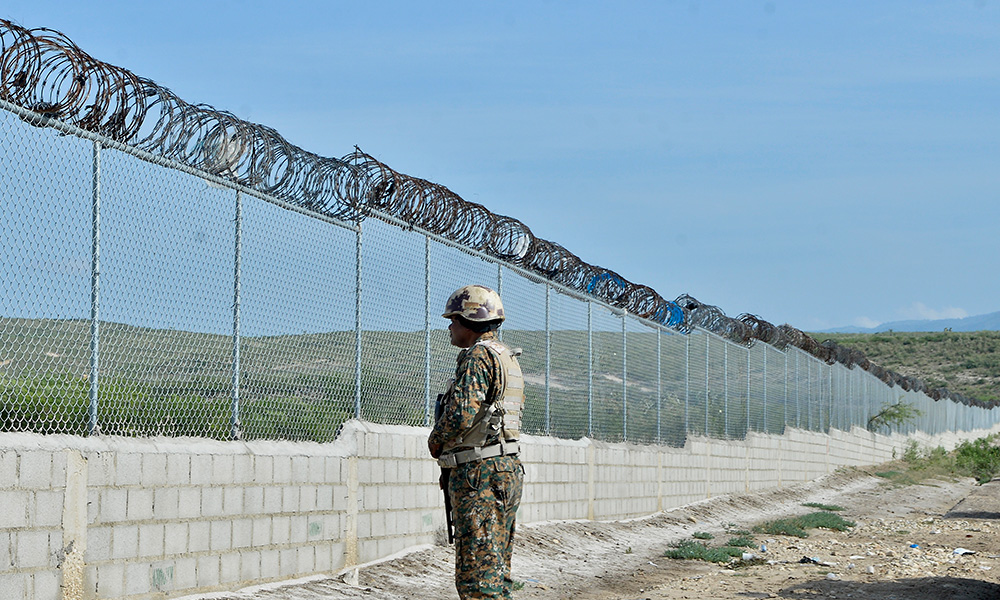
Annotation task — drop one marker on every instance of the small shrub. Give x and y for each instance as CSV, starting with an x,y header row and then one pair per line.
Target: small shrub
x,y
743,541
702,535
688,550
820,506
797,526
825,520
789,527
911,453
936,454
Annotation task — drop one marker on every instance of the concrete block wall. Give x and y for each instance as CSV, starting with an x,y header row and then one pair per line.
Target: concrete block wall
x,y
167,517
89,518
399,503
683,477
567,467
32,497
620,492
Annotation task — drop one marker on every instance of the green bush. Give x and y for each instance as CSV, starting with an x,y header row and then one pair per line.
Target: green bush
x,y
797,526
299,408
688,550
743,541
53,403
979,458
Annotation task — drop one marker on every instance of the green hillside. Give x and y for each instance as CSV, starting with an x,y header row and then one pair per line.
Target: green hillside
x,y
963,362
167,382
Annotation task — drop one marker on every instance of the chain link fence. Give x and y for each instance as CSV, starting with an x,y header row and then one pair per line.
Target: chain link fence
x,y
142,297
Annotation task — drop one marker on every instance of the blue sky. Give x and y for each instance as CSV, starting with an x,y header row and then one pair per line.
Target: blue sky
x,y
815,163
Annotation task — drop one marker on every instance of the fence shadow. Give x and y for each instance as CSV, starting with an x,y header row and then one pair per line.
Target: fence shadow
x,y
927,588
983,502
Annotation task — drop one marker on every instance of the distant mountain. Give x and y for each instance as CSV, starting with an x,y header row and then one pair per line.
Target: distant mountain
x,y
988,322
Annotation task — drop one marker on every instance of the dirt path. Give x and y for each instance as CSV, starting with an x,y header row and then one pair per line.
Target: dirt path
x,y
902,547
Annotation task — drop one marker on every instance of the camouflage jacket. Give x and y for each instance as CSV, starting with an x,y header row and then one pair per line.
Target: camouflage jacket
x,y
476,380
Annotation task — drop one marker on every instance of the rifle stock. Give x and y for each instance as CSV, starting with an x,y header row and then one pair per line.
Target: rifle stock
x,y
443,481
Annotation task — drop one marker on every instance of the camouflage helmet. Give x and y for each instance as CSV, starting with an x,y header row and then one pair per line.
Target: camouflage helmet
x,y
476,303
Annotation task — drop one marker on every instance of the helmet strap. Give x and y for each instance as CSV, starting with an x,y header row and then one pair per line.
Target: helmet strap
x,y
479,326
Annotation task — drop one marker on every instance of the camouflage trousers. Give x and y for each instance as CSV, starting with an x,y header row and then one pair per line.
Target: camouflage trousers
x,y
485,496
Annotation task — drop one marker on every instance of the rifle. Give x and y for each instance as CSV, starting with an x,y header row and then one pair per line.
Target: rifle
x,y
445,473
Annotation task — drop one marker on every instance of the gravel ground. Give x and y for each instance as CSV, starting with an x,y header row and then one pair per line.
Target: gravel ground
x,y
903,546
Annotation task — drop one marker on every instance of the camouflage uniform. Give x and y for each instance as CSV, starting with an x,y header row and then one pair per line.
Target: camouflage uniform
x,y
485,494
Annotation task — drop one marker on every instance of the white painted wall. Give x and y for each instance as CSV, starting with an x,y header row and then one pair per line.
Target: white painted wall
x,y
105,517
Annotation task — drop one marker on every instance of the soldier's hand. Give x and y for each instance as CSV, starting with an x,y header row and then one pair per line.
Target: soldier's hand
x,y
434,448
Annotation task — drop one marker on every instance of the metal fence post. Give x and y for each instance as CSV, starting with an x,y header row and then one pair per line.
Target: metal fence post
x,y
357,324
749,392
625,376
784,406
590,369
427,331
764,349
829,424
548,359
809,412
798,405
687,383
707,343
725,388
235,427
854,412
659,385
95,289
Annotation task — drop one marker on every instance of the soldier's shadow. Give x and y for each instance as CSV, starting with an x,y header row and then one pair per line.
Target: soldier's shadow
x,y
927,588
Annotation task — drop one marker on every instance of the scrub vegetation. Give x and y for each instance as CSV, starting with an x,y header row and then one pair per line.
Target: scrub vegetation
x,y
963,362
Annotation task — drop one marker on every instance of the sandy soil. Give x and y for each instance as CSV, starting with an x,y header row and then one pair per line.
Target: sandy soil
x,y
903,546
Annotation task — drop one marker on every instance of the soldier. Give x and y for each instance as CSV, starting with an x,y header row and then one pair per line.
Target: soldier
x,y
475,440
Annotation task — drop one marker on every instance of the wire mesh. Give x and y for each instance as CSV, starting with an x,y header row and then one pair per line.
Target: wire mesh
x,y
223,313
673,384
697,357
736,391
166,296
718,379
642,414
608,422
775,381
393,319
757,384
297,324
569,380
524,328
46,243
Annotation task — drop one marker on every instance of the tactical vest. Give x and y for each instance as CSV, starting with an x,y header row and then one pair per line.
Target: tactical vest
x,y
499,416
